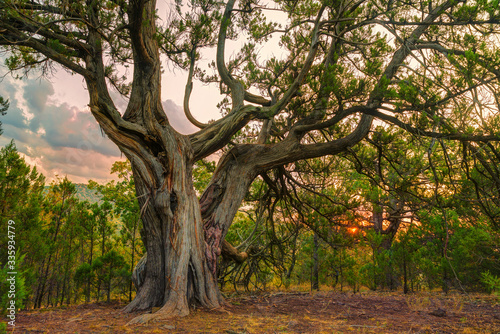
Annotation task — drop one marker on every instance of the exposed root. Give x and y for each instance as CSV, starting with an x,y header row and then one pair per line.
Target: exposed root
x,y
221,310
136,306
143,301
142,319
168,311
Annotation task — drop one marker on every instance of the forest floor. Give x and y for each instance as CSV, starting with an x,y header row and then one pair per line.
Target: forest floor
x,y
288,312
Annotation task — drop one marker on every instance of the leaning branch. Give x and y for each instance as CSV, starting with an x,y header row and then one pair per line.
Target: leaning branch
x,y
34,6
290,93
236,88
431,134
238,93
291,150
33,28
447,52
13,37
217,134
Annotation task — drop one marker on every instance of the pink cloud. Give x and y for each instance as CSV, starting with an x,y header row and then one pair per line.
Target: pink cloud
x,y
61,138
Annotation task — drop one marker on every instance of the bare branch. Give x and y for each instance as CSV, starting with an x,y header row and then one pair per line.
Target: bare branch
x,y
431,134
217,134
187,93
292,90
13,36
236,88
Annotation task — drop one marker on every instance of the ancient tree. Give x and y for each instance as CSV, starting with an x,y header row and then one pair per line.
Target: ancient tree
x,y
427,66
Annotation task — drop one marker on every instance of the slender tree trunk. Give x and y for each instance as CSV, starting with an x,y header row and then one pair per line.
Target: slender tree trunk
x,y
109,283
63,289
341,270
388,233
39,291
405,274
58,292
49,293
41,288
315,271
132,260
87,297
98,291
294,256
66,267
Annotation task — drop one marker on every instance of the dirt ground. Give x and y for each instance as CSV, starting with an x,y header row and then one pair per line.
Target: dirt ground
x,y
288,312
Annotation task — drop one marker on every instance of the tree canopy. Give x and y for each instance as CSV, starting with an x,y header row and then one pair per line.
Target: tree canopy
x,y
430,68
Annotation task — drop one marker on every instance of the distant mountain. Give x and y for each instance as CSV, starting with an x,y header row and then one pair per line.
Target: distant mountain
x,y
85,194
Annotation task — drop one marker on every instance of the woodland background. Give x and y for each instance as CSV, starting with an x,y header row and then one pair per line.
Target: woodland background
x,y
369,160
396,212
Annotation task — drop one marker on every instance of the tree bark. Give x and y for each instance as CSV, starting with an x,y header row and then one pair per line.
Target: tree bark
x,y
176,273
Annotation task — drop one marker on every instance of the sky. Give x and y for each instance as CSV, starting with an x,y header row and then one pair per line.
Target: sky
x,y
52,126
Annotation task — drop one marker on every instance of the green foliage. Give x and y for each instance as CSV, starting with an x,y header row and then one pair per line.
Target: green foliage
x,y
108,270
202,173
67,248
83,273
432,233
492,282
125,205
13,286
21,197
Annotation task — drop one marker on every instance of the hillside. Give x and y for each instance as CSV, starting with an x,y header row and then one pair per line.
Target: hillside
x,y
83,193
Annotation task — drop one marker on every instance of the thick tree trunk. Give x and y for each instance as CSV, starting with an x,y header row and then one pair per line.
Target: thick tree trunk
x,y
221,200
183,236
192,233
177,272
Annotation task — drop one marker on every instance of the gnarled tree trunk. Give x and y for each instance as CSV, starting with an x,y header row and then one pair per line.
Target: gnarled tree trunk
x,y
177,273
191,233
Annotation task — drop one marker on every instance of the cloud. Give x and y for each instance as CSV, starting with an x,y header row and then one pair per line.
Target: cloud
x,y
67,126
60,137
14,116
36,94
177,118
